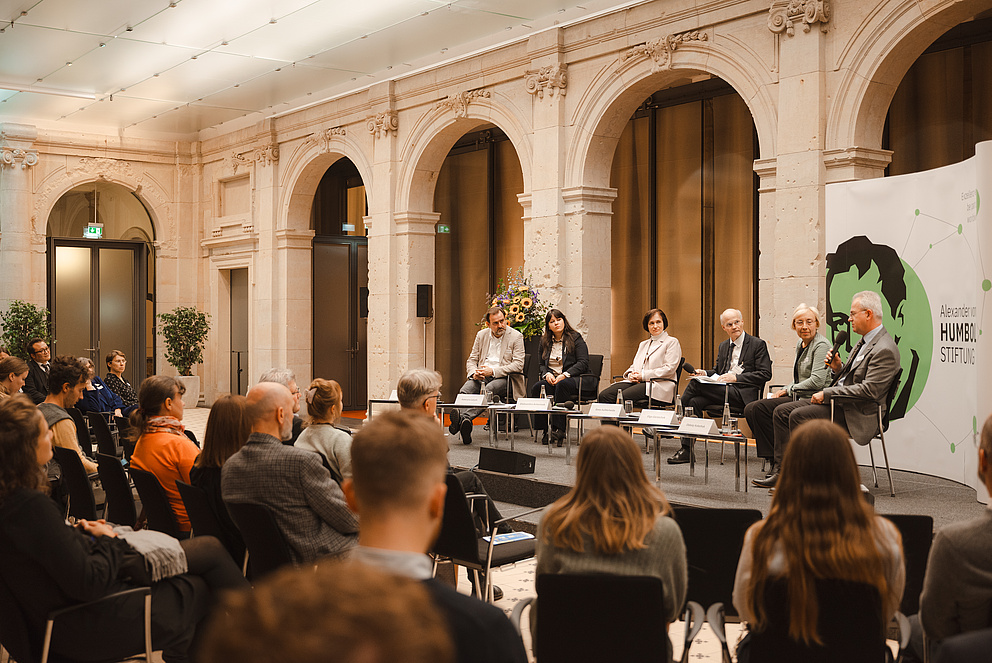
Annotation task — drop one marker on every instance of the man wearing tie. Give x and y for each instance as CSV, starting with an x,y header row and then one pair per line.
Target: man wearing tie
x,y
36,384
864,379
497,353
742,363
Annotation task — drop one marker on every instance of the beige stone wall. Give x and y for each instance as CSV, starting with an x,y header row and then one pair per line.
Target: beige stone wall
x,y
818,85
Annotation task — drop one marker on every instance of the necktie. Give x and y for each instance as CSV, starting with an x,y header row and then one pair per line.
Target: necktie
x,y
46,367
850,361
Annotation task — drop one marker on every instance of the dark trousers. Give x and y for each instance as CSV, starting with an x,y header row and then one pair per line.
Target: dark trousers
x,y
565,390
759,418
497,386
700,396
632,391
791,415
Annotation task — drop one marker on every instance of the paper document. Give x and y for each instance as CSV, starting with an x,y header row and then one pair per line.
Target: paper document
x,y
709,379
510,536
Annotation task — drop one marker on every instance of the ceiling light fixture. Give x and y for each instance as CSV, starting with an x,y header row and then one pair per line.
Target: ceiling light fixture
x,y
68,64
102,45
128,29
272,21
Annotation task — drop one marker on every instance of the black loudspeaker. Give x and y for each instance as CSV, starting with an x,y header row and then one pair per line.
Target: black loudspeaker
x,y
425,297
506,461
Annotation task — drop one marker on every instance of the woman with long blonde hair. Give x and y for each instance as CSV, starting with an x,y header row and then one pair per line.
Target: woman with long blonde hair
x,y
819,527
614,521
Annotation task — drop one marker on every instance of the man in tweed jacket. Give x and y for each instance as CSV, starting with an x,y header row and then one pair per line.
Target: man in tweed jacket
x,y
305,501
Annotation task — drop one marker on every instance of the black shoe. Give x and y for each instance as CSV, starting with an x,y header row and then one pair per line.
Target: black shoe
x,y
497,593
544,438
466,431
767,482
454,426
558,437
680,458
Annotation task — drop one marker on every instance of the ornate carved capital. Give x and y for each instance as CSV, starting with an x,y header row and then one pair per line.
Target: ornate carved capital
x,y
458,103
660,50
11,156
265,155
382,123
783,15
551,78
323,138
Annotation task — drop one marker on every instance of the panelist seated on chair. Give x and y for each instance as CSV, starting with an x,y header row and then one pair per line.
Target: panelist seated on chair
x,y
497,357
819,528
809,375
861,384
652,373
564,359
742,367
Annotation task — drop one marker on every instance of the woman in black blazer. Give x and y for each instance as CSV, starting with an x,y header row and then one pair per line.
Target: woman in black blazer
x,y
564,357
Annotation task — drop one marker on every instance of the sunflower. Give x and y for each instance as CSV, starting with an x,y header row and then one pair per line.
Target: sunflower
x,y
520,317
495,302
515,310
521,288
527,302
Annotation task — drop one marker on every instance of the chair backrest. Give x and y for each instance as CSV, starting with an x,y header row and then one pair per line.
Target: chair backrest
x,y
82,430
589,382
82,504
192,436
154,502
849,623
267,548
713,542
889,397
595,366
16,635
600,618
917,537
101,431
201,516
117,487
458,539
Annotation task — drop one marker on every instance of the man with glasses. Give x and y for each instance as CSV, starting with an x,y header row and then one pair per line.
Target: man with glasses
x,y
287,378
864,379
36,384
742,366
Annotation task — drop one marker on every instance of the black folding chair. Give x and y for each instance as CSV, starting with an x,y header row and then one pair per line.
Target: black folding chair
x,y
917,537
267,547
589,390
101,431
205,523
82,430
82,503
154,502
120,507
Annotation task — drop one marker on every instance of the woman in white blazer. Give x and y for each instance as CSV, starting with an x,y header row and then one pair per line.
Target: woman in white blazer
x,y
653,368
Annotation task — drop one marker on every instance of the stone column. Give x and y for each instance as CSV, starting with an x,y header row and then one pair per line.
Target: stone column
x,y
19,278
413,255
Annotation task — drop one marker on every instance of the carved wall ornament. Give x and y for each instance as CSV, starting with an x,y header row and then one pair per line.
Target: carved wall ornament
x,y
784,15
382,123
458,103
322,139
265,155
551,78
11,156
660,50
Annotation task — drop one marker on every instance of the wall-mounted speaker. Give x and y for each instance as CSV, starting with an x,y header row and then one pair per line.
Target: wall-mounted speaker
x,y
425,300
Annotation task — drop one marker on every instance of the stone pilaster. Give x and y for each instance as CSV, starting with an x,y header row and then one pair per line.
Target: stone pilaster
x,y
413,255
20,258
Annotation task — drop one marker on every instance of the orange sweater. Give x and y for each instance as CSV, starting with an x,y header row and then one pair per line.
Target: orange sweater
x,y
169,457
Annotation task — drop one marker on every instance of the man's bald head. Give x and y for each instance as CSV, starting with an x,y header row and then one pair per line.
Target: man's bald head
x,y
270,407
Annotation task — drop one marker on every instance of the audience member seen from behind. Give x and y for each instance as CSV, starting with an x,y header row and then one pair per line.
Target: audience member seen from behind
x,y
48,565
228,428
614,521
66,384
819,527
162,447
657,358
36,385
398,488
343,612
564,357
116,363
97,397
287,378
13,372
321,433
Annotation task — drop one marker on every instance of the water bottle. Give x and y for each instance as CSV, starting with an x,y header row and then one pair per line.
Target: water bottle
x,y
544,394
620,397
725,422
678,409
486,398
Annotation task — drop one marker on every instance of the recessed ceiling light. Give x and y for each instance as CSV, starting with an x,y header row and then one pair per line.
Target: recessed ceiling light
x,y
128,29
194,57
102,44
272,21
444,50
224,43
68,64
237,85
155,75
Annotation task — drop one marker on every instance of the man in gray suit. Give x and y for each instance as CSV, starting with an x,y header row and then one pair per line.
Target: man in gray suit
x,y
497,352
864,381
305,501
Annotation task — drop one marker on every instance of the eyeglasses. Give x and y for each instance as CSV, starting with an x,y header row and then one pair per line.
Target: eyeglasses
x,y
41,351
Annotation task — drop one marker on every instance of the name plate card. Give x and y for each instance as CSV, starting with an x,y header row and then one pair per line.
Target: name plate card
x,y
532,404
475,400
605,410
698,426
657,417
393,396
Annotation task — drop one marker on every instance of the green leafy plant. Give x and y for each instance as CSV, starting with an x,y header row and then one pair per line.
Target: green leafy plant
x,y
185,331
21,322
519,299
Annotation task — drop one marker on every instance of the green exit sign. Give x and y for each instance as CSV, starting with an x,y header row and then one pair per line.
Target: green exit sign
x,y
93,231
443,229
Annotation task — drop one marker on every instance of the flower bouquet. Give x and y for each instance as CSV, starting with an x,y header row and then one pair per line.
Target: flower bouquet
x,y
519,299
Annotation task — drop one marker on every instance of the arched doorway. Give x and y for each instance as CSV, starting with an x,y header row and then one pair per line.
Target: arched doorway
x,y
340,281
685,218
101,276
480,236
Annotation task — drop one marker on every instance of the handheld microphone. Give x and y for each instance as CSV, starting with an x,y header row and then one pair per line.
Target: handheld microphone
x,y
840,339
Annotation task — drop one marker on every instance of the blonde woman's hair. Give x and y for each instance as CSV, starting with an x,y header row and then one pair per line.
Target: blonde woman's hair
x,y
323,401
802,308
612,502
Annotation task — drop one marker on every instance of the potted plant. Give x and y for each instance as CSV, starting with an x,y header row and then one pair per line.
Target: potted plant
x,y
21,322
185,331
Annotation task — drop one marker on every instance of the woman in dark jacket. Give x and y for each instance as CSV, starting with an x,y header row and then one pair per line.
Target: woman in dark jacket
x,y
564,357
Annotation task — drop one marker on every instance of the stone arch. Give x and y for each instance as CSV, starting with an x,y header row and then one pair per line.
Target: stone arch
x,y
875,60
622,85
432,137
307,166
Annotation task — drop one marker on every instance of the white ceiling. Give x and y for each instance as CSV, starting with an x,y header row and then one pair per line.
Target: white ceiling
x,y
145,67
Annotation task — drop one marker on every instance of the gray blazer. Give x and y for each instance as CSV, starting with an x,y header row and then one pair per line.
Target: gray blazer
x,y
512,360
305,501
867,387
814,374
